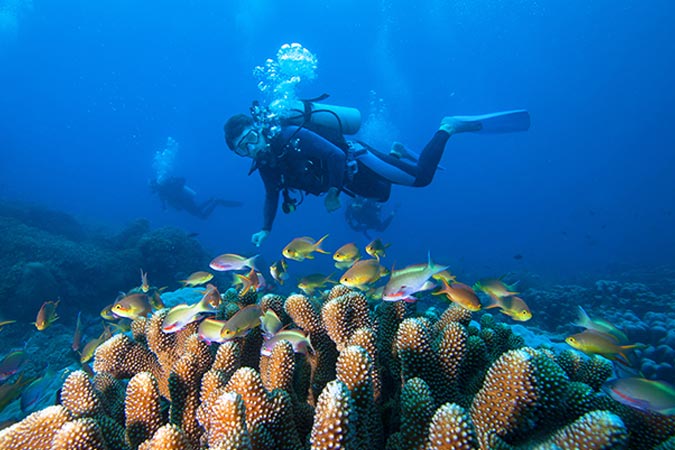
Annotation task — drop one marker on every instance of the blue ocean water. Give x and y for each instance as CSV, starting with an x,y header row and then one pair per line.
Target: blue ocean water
x,y
91,91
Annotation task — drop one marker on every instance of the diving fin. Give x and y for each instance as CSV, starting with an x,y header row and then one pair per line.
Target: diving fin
x,y
499,122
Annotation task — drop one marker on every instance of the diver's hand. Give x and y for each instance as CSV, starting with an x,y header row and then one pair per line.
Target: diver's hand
x,y
332,200
258,238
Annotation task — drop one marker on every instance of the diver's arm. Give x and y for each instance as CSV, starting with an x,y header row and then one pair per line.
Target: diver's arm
x,y
271,203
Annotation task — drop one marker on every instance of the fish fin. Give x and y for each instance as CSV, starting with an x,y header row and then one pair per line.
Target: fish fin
x,y
583,320
317,245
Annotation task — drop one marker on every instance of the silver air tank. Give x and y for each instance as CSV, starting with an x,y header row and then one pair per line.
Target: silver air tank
x,y
341,118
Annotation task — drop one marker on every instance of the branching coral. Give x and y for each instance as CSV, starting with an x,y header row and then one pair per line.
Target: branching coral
x,y
401,380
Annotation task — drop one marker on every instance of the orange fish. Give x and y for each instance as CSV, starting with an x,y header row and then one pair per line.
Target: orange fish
x,y
47,315
461,294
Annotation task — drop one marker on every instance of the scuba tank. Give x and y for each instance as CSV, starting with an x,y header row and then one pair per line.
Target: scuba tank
x,y
342,119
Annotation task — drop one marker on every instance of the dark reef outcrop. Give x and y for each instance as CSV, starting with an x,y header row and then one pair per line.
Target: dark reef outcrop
x,y
48,255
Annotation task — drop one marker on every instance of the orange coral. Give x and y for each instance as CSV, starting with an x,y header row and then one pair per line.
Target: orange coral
x,y
79,397
451,429
142,408
36,431
227,423
167,437
334,419
80,434
507,392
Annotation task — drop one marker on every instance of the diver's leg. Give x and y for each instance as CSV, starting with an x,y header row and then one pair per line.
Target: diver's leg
x,y
207,208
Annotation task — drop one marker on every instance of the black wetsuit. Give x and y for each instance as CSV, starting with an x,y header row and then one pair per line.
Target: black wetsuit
x,y
173,192
302,160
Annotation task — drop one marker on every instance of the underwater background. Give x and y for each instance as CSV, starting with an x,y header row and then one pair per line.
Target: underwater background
x,y
579,210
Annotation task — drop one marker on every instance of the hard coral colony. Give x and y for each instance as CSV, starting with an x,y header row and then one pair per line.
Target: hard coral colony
x,y
378,377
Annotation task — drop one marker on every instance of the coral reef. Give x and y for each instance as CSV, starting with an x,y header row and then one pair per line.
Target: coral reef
x,y
382,376
47,254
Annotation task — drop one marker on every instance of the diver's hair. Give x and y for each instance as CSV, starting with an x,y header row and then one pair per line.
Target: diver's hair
x,y
234,126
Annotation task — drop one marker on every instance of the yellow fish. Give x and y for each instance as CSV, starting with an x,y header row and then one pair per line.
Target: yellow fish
x,y
91,346
348,253
445,275
514,307
132,306
377,249
47,315
303,248
107,314
461,294
363,273
197,278
495,288
209,330
595,343
6,322
145,286
278,271
270,323
314,281
242,322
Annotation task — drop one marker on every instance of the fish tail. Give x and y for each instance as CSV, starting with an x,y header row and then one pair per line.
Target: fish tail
x,y
494,302
250,262
444,290
317,245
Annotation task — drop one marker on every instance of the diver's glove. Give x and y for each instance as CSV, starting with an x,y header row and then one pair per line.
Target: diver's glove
x,y
332,200
258,238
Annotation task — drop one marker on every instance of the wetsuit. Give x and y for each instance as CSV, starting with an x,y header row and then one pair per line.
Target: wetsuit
x,y
303,160
173,192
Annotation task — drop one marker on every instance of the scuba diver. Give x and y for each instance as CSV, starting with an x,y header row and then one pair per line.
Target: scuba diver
x,y
308,153
173,192
363,214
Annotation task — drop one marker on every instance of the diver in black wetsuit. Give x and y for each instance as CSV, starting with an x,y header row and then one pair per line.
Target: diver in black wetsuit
x,y
364,214
173,192
298,159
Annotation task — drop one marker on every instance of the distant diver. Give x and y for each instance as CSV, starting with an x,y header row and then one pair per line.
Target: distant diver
x,y
365,214
174,193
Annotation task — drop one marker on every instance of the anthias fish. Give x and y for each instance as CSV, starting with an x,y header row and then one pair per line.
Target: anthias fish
x,y
460,294
645,395
377,249
363,273
230,261
302,248
242,322
404,283
314,281
132,306
47,315
197,278
347,253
